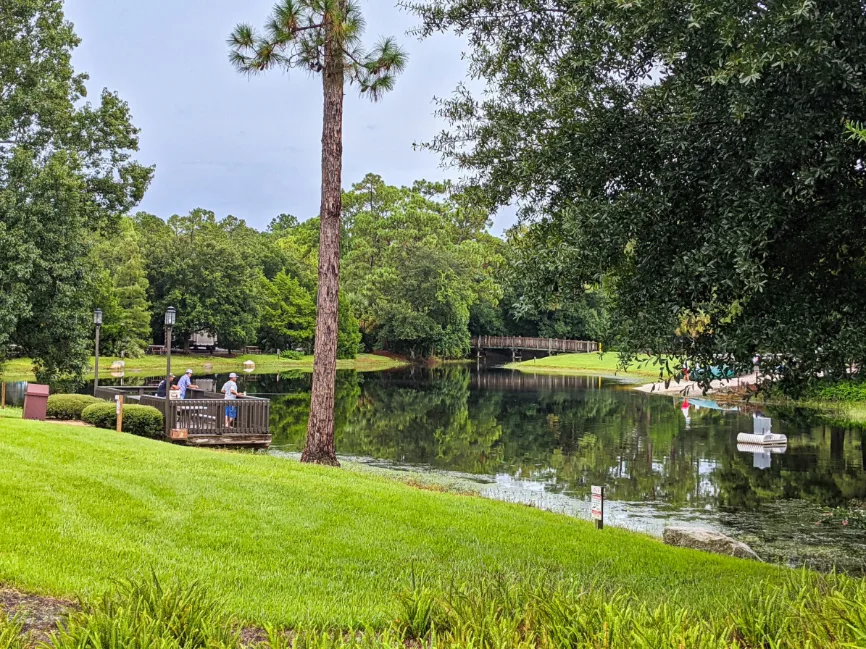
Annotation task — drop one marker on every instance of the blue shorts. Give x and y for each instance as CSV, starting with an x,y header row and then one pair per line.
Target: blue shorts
x,y
231,412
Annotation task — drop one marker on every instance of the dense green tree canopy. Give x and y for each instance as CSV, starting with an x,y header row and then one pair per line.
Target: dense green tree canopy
x,y
236,283
66,171
691,154
416,260
288,314
121,291
208,270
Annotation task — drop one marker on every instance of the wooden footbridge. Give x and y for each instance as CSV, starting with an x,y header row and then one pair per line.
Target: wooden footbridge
x,y
517,344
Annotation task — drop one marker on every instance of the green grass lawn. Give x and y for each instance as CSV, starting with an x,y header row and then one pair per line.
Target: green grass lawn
x,y
606,364
293,544
21,369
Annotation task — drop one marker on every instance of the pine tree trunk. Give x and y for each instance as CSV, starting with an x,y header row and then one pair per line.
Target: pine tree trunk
x,y
320,428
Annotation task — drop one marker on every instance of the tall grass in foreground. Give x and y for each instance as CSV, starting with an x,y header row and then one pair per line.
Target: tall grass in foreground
x,y
12,632
145,614
808,610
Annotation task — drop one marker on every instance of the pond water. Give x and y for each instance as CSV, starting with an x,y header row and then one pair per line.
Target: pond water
x,y
545,440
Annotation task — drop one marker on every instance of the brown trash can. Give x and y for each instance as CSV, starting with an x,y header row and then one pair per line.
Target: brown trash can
x,y
35,401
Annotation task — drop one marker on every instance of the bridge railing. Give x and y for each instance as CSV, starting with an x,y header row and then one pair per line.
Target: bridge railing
x,y
539,344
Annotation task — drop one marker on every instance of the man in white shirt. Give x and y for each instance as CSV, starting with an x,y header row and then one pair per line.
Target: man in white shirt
x,y
230,390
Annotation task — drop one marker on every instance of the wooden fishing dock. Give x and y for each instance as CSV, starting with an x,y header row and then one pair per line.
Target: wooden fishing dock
x,y
199,420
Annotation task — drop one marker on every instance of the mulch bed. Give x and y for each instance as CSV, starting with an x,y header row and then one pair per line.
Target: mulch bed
x,y
40,613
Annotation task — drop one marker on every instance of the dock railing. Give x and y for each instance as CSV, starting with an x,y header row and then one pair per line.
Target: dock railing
x,y
205,414
131,393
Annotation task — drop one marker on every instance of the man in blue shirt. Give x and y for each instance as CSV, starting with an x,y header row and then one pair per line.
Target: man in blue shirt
x,y
185,384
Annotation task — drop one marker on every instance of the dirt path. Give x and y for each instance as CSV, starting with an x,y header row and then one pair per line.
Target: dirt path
x,y
40,614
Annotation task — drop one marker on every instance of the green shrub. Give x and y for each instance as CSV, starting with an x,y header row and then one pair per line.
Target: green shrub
x,y
144,421
848,390
101,415
69,406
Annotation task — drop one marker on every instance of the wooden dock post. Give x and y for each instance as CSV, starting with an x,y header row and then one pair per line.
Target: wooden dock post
x,y
119,399
3,396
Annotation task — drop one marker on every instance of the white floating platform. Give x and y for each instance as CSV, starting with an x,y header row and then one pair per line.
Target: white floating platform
x,y
762,448
767,439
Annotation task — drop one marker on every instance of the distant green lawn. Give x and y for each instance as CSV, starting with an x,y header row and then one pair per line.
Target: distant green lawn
x,y
294,544
607,364
21,369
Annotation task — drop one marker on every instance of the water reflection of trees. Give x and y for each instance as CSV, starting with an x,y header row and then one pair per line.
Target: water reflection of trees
x,y
570,437
823,464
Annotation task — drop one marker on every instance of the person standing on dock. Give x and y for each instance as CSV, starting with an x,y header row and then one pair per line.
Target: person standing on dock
x,y
185,384
163,389
230,389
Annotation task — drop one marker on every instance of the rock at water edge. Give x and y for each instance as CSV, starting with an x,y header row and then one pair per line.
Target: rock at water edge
x,y
708,541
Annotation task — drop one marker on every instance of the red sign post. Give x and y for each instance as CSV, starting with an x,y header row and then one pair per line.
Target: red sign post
x,y
598,506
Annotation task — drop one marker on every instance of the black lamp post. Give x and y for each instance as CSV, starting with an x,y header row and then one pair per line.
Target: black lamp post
x,y
170,314
97,321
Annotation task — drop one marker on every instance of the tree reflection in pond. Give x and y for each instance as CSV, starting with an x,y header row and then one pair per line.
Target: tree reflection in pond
x,y
564,434
572,434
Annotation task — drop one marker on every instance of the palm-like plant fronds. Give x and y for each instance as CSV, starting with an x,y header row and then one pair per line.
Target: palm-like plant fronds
x,y
294,37
380,68
856,131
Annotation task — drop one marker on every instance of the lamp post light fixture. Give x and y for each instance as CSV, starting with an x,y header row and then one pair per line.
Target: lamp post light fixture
x,y
97,321
170,315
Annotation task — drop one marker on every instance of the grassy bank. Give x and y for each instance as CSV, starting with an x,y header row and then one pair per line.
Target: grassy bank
x,y
845,400
840,413
841,403
606,364
21,369
298,545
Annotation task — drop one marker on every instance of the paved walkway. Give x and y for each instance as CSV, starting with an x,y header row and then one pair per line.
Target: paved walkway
x,y
693,388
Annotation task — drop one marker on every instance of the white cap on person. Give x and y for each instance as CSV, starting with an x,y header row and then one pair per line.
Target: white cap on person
x,y
189,371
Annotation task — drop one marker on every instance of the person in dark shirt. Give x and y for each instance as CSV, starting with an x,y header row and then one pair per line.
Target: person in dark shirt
x,y
160,391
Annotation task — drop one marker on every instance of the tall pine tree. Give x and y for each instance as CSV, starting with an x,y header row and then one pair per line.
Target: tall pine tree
x,y
322,37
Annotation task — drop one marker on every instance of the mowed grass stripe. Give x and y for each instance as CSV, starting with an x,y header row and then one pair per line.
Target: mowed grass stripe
x,y
292,544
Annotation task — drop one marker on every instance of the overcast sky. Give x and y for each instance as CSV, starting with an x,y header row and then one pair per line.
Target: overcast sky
x,y
251,146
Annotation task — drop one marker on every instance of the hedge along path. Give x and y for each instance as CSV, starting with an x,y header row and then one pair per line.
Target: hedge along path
x,y
69,406
293,544
144,421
